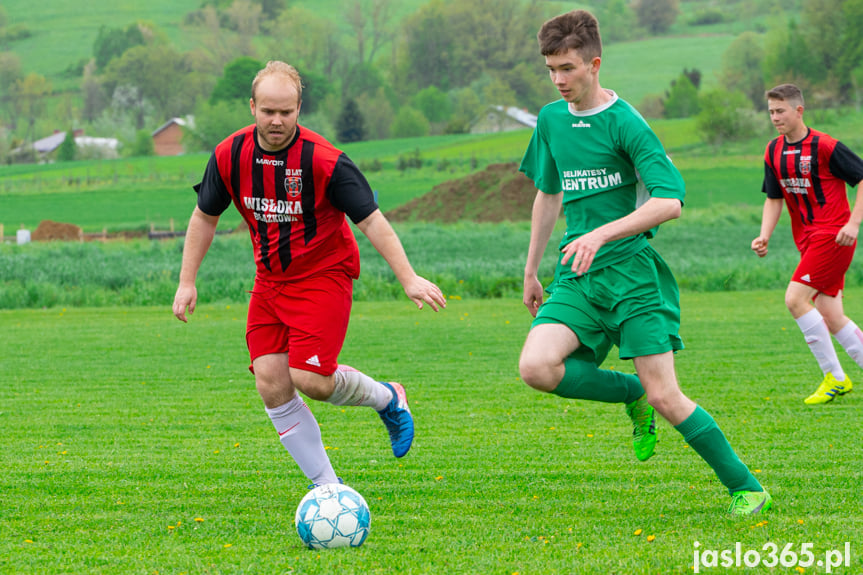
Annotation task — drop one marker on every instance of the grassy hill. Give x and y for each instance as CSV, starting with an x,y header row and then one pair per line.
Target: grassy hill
x,y
636,69
63,33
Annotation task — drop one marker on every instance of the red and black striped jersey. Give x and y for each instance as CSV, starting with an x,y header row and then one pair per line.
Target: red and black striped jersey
x,y
293,200
811,175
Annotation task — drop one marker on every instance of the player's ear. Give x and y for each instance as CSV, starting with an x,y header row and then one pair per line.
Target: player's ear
x,y
252,105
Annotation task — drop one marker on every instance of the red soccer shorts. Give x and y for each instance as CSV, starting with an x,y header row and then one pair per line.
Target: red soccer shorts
x,y
823,264
307,319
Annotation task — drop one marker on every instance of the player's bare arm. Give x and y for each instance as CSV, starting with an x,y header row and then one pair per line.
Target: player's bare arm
x,y
386,242
769,218
849,232
199,236
546,210
655,211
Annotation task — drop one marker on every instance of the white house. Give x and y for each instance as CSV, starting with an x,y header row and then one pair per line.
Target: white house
x,y
87,145
502,119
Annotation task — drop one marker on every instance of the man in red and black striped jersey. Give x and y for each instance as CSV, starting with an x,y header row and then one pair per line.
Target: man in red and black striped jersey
x,y
808,170
293,188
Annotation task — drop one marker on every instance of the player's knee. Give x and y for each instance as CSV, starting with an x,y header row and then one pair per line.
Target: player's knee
x,y
274,392
659,402
666,401
314,385
536,374
797,305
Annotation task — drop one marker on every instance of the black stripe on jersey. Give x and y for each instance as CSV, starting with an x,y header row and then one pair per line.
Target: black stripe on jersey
x,y
783,171
808,216
769,174
771,151
236,146
816,174
285,256
310,220
783,162
258,192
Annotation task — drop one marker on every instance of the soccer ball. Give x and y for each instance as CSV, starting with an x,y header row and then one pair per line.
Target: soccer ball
x,y
333,515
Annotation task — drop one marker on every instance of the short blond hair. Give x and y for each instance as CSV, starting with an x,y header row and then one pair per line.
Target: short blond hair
x,y
279,68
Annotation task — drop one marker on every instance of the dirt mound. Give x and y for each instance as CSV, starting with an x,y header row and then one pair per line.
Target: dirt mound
x,y
48,230
498,193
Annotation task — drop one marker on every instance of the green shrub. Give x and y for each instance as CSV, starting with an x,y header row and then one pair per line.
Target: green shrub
x,y
727,116
707,16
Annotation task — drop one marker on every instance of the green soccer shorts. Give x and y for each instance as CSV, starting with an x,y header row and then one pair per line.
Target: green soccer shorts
x,y
634,304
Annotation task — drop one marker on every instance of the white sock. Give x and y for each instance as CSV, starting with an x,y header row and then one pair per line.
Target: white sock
x,y
352,387
817,336
300,434
851,339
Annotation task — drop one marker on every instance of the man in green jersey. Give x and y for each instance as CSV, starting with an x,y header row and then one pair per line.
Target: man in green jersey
x,y
590,153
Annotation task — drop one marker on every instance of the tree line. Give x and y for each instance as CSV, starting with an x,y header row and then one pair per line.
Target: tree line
x,y
369,75
821,50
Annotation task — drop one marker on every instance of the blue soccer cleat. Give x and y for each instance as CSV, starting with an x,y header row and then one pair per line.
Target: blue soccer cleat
x,y
397,417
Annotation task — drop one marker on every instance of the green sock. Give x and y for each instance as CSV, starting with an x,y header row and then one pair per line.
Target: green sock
x,y
701,432
583,380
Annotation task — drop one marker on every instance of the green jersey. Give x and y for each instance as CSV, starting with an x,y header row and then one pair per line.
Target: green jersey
x,y
595,158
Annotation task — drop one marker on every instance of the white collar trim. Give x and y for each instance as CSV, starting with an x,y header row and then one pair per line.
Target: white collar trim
x,y
598,109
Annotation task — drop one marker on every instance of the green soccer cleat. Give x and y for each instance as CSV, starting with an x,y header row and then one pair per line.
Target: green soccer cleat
x,y
829,389
750,503
643,418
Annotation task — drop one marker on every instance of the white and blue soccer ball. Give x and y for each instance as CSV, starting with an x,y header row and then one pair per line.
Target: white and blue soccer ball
x,y
333,515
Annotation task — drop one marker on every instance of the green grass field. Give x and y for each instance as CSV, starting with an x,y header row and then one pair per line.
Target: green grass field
x,y
135,444
150,452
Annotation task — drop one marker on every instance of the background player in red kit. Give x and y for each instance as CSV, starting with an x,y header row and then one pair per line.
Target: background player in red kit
x,y
294,188
809,170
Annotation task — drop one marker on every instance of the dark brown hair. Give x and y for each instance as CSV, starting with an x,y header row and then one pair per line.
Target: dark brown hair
x,y
577,30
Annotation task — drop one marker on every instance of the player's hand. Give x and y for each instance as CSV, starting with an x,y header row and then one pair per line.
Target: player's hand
x,y
421,292
759,246
532,294
581,251
847,235
185,298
